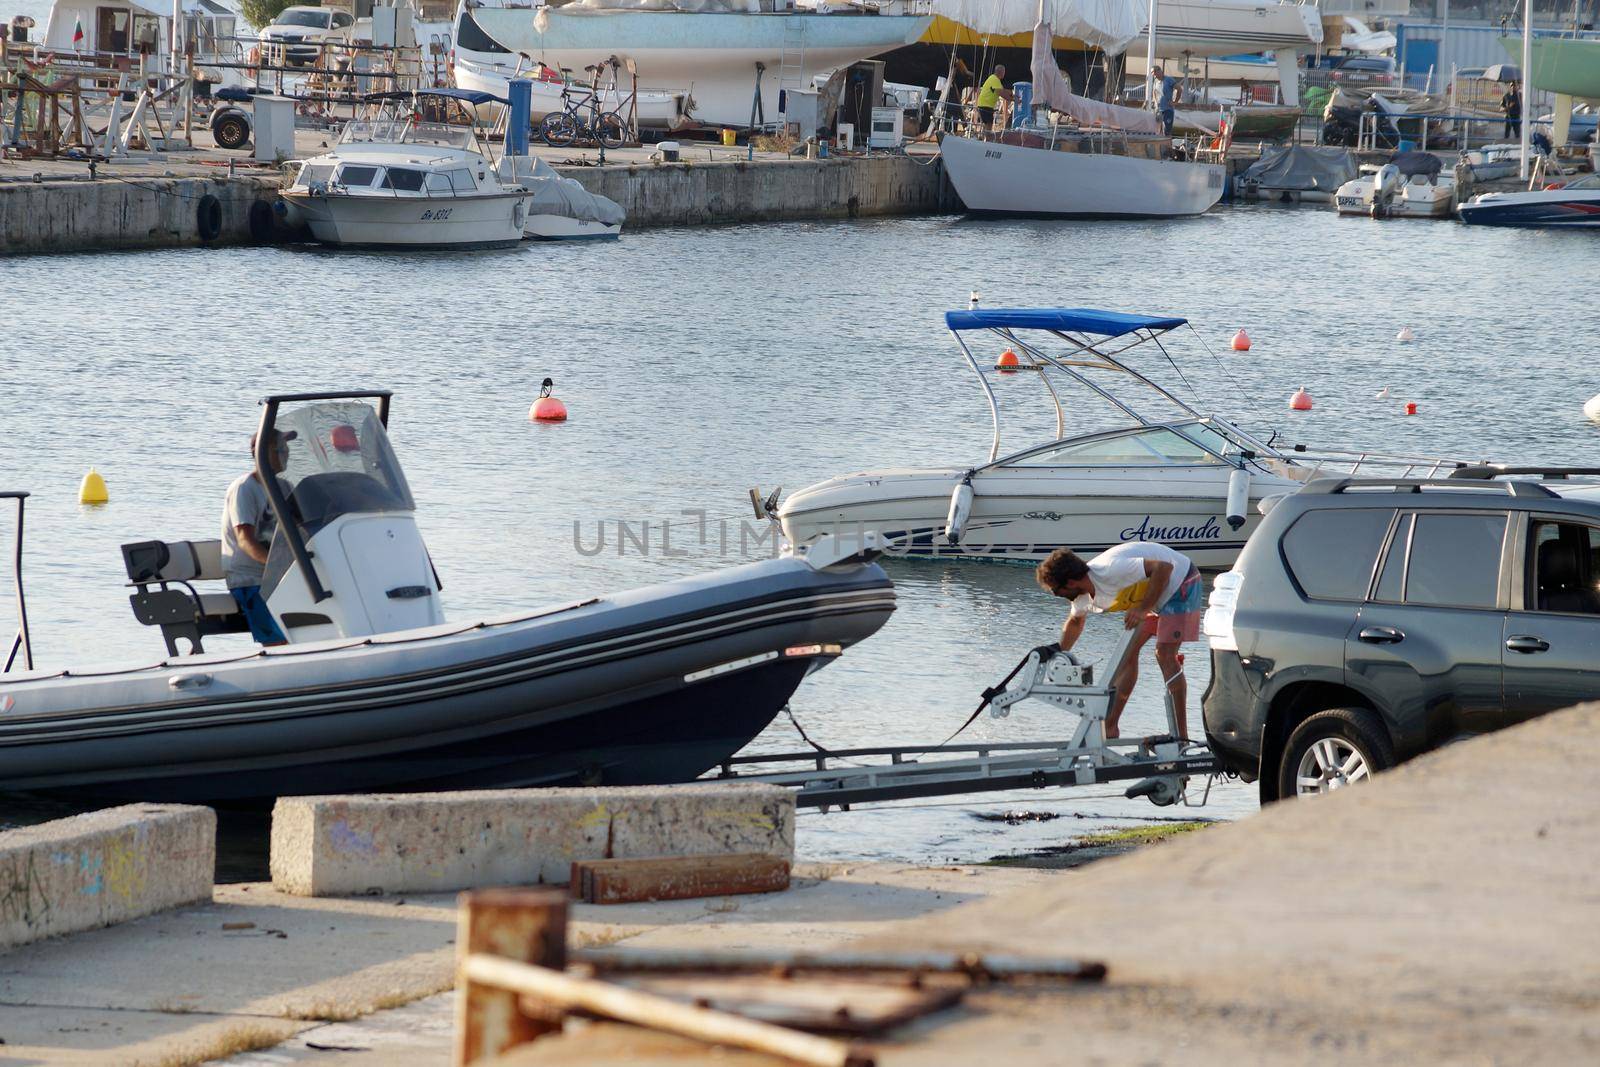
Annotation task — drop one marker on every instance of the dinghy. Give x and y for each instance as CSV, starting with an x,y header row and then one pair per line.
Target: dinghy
x,y
375,690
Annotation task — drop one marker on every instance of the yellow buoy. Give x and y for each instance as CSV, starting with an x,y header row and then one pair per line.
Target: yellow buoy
x,y
93,489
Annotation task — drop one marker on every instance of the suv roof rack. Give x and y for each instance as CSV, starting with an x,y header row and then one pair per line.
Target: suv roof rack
x,y
1489,471
1416,485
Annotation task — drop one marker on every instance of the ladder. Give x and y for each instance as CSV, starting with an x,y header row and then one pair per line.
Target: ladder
x,y
791,61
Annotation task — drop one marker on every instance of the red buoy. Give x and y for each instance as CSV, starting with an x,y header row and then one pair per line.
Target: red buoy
x,y
1411,407
547,408
1241,341
1301,401
1008,363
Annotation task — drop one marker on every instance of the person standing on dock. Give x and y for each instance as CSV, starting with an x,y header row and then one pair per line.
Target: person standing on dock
x,y
1166,105
1511,104
247,528
1159,589
990,94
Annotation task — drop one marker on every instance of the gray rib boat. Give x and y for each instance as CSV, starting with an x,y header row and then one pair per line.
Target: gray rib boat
x,y
376,691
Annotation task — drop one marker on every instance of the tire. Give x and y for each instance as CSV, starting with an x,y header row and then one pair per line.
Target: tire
x,y
263,226
1325,746
611,131
558,130
231,130
208,218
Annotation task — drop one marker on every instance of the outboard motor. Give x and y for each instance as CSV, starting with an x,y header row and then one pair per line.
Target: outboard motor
x,y
1385,187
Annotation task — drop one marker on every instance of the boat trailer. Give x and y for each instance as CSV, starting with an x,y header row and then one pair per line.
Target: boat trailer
x,y
1160,766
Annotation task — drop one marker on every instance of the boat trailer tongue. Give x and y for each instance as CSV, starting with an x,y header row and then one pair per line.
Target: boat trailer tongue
x,y
1159,767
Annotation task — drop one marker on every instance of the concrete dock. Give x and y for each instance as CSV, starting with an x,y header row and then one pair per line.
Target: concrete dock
x,y
158,199
1442,913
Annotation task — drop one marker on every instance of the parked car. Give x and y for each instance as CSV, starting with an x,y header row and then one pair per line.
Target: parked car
x,y
1366,622
296,36
1365,70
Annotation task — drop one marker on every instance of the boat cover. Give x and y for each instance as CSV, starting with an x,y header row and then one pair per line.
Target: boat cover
x,y
1412,164
1051,88
1105,24
1303,167
555,195
1082,320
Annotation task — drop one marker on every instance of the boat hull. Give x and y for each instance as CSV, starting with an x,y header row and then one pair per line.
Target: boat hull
x,y
1533,209
562,228
492,221
650,686
1567,65
710,55
1006,179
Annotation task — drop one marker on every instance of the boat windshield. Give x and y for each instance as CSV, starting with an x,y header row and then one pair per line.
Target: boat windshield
x,y
392,127
1588,181
339,462
1154,446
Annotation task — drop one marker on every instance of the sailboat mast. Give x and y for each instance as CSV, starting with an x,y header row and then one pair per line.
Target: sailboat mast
x,y
1150,61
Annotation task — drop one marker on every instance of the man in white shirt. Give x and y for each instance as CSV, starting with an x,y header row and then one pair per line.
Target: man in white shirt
x,y
247,528
1160,591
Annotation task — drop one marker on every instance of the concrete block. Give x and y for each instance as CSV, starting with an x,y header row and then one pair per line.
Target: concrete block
x,y
435,842
105,867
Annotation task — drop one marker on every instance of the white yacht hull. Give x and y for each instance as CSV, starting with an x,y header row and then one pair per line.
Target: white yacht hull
x,y
494,220
657,109
1232,27
712,56
1006,179
1026,515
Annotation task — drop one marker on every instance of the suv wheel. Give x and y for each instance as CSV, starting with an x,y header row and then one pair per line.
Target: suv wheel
x,y
1333,749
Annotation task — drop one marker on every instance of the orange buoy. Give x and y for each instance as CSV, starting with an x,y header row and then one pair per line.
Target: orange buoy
x,y
1301,401
547,408
1241,341
1008,363
1411,407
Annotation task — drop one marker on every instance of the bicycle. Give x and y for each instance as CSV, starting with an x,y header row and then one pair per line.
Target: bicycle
x,y
561,128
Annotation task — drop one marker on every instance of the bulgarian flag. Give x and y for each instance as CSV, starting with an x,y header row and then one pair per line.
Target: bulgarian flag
x,y
77,33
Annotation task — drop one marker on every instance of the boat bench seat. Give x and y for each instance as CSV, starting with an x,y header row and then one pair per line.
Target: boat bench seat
x,y
162,574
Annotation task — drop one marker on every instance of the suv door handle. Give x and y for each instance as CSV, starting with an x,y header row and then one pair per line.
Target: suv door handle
x,y
1527,644
1381,635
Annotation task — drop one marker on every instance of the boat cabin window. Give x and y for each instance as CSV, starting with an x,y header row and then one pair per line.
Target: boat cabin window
x,y
403,179
462,180
1154,446
470,36
438,182
314,172
356,177
340,462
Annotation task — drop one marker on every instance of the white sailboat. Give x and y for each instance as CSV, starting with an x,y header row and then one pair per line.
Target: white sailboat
x,y
1102,161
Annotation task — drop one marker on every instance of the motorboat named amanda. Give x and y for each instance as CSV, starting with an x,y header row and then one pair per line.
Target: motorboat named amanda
x,y
377,691
1168,473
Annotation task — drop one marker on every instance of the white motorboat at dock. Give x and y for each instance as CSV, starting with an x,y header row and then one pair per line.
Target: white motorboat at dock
x,y
395,179
1170,473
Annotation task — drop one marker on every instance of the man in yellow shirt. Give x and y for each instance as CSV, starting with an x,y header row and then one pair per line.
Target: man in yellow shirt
x,y
989,96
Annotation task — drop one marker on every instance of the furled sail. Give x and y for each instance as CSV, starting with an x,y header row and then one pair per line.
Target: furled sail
x,y
1053,90
1105,24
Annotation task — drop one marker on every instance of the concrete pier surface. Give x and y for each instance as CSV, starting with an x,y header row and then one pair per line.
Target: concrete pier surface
x,y
1444,912
154,200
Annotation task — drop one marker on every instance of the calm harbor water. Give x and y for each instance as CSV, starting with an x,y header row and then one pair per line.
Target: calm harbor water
x,y
698,363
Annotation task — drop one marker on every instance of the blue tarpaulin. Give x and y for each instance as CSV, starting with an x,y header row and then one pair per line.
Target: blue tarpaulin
x,y
1080,320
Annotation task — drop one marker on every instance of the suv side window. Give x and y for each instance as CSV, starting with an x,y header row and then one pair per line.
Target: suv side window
x,y
1331,552
1563,568
1455,559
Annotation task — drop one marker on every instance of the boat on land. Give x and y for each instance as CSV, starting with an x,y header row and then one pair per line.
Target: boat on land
x,y
708,49
377,690
1158,470
1573,204
398,179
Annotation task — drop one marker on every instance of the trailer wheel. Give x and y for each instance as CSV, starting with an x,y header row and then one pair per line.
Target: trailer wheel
x,y
1333,749
208,218
231,130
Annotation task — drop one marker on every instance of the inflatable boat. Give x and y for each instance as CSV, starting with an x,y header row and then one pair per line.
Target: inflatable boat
x,y
376,691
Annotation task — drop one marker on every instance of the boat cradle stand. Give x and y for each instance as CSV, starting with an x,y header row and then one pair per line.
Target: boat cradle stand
x,y
1160,766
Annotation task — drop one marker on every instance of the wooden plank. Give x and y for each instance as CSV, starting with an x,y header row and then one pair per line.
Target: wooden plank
x,y
677,877
831,1005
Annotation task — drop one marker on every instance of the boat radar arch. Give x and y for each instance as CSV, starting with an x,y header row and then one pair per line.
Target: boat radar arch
x,y
347,559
